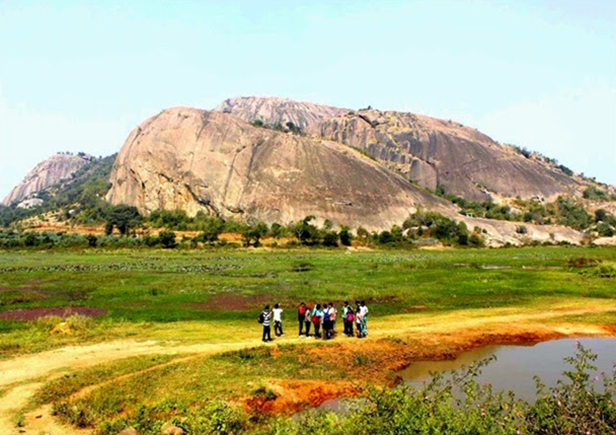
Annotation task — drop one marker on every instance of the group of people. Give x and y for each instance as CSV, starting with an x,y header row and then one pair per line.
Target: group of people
x,y
322,317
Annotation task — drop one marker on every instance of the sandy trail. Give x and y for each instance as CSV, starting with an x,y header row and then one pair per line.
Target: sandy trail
x,y
20,377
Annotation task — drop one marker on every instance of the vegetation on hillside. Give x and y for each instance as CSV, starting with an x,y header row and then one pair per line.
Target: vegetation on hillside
x,y
566,211
80,199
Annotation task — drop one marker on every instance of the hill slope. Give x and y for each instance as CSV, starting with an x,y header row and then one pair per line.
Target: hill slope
x,y
196,160
430,151
47,173
279,111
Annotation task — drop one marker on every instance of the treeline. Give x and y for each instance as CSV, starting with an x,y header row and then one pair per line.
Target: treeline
x,y
159,230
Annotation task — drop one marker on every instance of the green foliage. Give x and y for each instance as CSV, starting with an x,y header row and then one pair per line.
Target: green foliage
x,y
306,232
575,406
330,239
252,234
345,236
124,218
288,127
82,194
167,239
572,214
601,270
460,406
593,192
566,170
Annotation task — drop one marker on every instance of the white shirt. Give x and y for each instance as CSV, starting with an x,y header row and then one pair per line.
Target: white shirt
x,y
277,312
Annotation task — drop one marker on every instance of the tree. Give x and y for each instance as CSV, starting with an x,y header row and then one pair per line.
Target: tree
x,y
463,238
306,232
600,215
330,239
211,228
276,230
252,234
385,237
123,217
92,239
167,239
345,235
363,233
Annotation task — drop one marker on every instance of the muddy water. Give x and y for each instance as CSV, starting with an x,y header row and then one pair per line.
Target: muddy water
x,y
515,366
513,369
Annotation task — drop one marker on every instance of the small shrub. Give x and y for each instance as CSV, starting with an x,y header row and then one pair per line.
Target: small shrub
x,y
581,262
302,267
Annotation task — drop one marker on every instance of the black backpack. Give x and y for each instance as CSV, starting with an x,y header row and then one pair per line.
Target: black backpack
x,y
261,318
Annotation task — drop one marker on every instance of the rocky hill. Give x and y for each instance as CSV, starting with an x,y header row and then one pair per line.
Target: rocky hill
x,y
280,111
276,160
432,152
197,160
47,173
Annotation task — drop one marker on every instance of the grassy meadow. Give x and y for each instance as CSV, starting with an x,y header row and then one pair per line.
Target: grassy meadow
x,y
190,297
216,295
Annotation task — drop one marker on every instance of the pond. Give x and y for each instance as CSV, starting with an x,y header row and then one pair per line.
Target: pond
x,y
513,369
515,366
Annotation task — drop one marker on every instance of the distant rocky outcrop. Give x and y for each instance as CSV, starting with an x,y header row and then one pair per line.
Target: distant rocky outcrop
x,y
195,160
47,173
429,151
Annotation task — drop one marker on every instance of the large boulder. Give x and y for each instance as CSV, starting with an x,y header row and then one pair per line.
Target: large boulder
x,y
432,152
196,160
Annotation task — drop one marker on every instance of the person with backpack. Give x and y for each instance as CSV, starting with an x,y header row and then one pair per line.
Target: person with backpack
x,y
301,318
277,312
264,319
308,319
317,316
326,322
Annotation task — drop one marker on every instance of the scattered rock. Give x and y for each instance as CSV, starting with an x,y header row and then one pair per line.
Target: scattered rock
x,y
129,431
171,429
61,328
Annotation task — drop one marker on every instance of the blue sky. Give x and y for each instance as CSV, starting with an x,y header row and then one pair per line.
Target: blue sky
x,y
79,75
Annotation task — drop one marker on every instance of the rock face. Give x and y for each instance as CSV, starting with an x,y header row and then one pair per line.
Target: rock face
x,y
51,171
435,152
197,160
307,116
429,151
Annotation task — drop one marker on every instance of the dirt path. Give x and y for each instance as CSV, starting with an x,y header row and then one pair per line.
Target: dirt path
x,y
22,376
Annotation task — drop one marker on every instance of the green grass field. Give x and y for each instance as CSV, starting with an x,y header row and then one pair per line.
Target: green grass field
x,y
147,291
212,297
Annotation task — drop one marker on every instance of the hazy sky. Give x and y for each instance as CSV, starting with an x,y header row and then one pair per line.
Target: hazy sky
x,y
79,75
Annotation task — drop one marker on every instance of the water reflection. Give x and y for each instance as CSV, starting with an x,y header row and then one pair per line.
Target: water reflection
x,y
516,365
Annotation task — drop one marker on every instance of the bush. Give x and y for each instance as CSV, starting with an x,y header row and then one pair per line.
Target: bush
x,y
592,192
330,239
167,239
